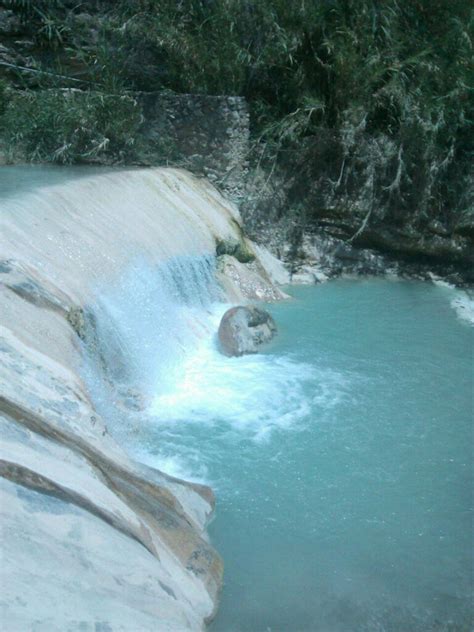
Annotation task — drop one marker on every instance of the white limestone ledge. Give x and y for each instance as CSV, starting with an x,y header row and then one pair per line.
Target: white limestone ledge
x,y
92,540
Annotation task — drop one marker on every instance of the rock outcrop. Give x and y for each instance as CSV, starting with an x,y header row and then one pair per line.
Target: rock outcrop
x,y
244,329
93,540
89,536
313,192
246,281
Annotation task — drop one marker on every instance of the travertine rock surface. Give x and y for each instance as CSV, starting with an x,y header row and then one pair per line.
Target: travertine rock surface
x,y
244,329
92,541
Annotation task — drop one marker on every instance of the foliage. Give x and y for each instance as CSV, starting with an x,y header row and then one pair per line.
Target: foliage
x,y
44,18
390,82
69,126
392,79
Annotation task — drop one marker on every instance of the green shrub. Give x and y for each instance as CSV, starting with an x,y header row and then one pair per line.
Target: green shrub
x,y
44,19
392,80
389,81
68,126
4,97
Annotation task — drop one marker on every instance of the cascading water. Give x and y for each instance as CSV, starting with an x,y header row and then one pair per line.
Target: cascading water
x,y
145,321
153,355
341,455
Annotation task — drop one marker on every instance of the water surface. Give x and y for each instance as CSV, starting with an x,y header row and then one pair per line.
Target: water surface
x,y
341,460
341,456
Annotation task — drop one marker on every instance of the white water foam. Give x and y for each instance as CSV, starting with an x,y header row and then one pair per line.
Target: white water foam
x,y
252,395
220,402
461,301
463,304
187,467
156,330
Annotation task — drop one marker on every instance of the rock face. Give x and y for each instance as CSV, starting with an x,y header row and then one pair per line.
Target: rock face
x,y
210,132
90,537
246,281
322,199
93,540
243,329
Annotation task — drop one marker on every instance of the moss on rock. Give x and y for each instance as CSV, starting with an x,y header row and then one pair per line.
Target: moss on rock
x,y
235,248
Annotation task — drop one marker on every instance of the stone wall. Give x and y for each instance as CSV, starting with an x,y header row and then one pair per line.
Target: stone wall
x,y
210,134
207,135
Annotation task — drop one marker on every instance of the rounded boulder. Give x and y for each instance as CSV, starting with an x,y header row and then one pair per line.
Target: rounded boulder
x,y
244,329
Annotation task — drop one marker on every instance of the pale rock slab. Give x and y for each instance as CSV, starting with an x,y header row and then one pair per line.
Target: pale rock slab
x,y
92,540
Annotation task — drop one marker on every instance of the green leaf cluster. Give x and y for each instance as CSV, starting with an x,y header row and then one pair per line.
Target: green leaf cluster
x,y
389,81
71,126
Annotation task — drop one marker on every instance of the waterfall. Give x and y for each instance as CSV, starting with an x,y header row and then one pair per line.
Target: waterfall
x,y
89,225
135,250
141,327
107,279
338,469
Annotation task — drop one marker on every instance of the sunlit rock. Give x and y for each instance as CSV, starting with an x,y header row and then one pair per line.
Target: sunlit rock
x,y
244,329
92,537
77,510
246,281
238,248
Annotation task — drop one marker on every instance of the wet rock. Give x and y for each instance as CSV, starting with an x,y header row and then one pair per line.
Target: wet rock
x,y
346,252
54,444
131,399
66,547
308,275
76,319
246,281
28,285
243,329
75,507
235,248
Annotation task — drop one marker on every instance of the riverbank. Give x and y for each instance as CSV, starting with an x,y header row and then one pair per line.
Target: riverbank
x,y
92,537
113,284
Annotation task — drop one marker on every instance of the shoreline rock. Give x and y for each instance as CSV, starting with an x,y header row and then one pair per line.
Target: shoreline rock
x,y
93,538
244,329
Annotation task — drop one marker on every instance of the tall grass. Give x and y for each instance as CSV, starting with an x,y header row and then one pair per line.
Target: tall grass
x,y
71,126
389,81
